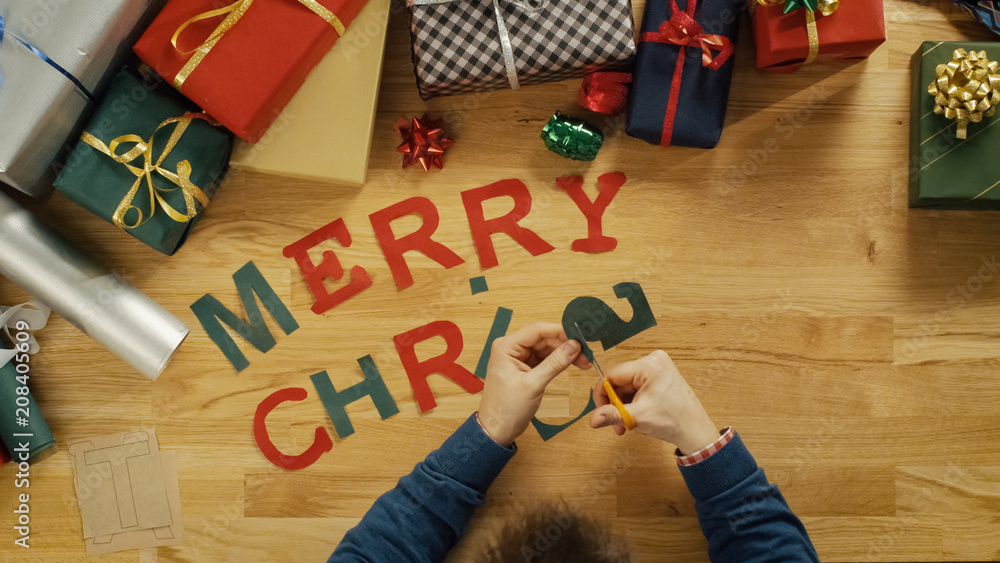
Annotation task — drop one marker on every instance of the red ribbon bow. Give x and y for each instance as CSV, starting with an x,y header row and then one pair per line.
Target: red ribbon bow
x,y
682,29
605,92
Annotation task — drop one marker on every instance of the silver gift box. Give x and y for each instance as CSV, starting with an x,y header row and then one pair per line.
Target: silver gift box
x,y
40,108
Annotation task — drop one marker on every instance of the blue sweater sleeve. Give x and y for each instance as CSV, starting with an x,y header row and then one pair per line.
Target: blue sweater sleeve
x,y
425,515
744,517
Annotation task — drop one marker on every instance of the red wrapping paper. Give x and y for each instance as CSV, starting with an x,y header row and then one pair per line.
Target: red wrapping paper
x,y
853,32
256,68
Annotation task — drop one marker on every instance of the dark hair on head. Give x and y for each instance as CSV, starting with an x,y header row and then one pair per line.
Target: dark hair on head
x,y
555,533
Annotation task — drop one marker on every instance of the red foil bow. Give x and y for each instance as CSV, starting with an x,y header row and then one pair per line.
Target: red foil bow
x,y
605,92
423,143
682,29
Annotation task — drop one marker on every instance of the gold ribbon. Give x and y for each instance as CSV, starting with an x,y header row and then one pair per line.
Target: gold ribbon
x,y
813,37
966,89
182,178
235,11
825,7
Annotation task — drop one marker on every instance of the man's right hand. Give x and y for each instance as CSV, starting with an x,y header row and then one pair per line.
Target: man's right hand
x,y
659,399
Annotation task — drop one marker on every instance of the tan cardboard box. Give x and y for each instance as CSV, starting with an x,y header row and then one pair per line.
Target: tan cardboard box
x,y
325,132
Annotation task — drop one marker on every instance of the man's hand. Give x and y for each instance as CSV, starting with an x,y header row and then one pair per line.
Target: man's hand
x,y
660,401
521,365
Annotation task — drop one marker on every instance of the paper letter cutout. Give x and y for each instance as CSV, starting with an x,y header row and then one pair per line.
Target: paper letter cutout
x,y
150,537
420,240
119,483
335,401
547,431
249,282
120,476
501,322
444,364
321,444
593,210
329,268
482,228
478,285
600,323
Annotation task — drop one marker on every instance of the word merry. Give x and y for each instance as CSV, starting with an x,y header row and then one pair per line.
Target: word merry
x,y
209,310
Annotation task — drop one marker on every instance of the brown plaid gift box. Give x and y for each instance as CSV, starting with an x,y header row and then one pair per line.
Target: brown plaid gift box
x,y
473,45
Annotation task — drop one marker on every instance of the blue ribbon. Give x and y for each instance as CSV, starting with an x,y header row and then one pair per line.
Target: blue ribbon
x,y
46,58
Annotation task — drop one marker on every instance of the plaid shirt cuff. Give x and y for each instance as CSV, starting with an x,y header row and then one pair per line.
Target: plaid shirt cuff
x,y
726,436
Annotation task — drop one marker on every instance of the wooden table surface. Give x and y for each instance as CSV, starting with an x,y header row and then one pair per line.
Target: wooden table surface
x,y
852,342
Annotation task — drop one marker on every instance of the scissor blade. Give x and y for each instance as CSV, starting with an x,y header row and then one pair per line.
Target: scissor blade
x,y
599,370
594,360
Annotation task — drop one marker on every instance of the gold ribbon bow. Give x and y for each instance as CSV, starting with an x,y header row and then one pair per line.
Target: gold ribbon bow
x,y
966,89
182,178
235,11
825,7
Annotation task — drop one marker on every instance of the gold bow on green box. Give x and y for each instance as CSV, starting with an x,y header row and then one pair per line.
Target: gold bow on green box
x,y
144,148
965,89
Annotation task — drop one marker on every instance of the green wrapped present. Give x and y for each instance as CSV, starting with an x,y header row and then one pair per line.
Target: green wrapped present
x,y
22,421
146,162
953,134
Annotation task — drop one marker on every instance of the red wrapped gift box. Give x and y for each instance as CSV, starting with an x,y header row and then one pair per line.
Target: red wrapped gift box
x,y
255,67
852,32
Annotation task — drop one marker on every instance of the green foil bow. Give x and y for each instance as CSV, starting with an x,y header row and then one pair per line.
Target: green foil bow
x,y
572,138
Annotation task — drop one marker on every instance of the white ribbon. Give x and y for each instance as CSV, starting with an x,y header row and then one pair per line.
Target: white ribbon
x,y
9,317
508,51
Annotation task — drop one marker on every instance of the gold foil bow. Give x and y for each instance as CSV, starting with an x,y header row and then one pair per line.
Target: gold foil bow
x,y
825,7
966,89
143,148
233,13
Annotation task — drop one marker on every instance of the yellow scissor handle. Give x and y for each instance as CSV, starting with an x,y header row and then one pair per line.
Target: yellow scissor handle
x,y
626,417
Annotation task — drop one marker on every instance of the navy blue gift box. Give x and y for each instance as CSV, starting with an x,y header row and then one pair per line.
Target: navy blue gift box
x,y
683,70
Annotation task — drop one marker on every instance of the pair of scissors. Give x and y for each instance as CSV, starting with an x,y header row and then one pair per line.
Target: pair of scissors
x,y
612,396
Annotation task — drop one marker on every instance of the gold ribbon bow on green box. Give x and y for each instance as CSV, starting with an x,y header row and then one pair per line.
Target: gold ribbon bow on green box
x,y
233,13
966,89
144,148
824,7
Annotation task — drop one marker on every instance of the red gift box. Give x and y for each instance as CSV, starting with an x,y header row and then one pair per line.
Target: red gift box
x,y
852,32
4,456
256,66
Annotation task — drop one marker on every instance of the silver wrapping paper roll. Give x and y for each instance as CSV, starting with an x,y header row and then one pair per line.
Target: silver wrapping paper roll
x,y
112,312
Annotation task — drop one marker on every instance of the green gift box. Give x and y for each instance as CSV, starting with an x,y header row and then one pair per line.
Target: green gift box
x,y
22,421
146,162
947,172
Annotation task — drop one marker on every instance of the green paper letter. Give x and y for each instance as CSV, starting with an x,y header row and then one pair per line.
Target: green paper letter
x,y
252,286
599,322
335,401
